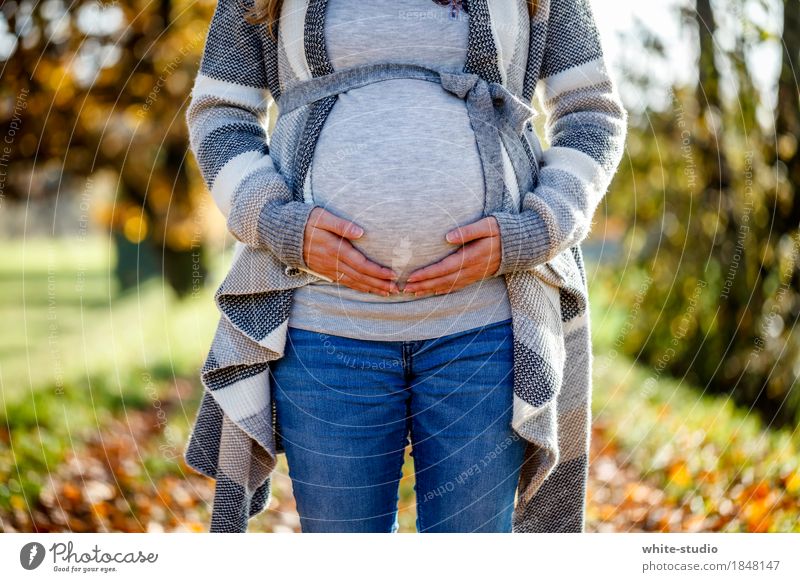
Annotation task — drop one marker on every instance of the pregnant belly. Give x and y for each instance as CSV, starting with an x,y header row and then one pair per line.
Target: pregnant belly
x,y
399,158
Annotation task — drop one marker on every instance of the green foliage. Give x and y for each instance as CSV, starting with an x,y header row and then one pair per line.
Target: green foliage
x,y
702,451
713,461
78,356
711,229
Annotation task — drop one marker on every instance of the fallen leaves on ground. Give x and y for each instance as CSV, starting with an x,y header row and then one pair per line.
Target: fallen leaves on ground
x,y
106,484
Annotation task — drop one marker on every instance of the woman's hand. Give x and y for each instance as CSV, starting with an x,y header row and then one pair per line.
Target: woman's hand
x,y
478,259
328,251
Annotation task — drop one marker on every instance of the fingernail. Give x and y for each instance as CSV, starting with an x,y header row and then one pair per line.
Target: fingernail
x,y
358,231
449,237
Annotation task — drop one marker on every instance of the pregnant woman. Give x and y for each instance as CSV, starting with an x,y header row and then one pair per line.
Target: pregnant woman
x,y
407,200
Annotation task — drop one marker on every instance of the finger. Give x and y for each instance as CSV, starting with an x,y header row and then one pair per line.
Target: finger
x,y
348,281
331,249
451,263
475,270
480,252
484,227
326,263
351,256
353,280
381,286
445,283
336,224
450,286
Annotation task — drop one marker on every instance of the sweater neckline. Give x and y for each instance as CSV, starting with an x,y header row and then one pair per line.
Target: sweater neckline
x,y
482,54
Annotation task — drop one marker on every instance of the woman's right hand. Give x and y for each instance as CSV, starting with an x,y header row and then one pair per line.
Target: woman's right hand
x,y
328,251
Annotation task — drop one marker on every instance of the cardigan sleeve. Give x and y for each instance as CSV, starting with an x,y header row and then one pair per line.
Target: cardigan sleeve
x,y
225,118
586,125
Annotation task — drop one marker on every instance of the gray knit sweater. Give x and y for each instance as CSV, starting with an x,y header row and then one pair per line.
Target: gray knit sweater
x,y
400,159
544,202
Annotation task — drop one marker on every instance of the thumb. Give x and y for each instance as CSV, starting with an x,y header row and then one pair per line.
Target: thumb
x,y
338,225
483,228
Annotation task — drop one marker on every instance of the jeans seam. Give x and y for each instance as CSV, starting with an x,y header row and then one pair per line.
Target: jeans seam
x,y
407,364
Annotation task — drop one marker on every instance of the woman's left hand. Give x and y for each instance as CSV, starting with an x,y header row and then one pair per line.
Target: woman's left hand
x,y
478,259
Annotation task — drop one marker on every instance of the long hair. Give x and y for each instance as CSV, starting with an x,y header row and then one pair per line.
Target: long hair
x,y
268,12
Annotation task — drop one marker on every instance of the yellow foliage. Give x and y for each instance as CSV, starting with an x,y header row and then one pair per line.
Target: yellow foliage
x,y
135,228
792,482
679,474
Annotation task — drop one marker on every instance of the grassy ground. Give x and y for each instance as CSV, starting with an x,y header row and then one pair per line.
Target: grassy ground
x,y
99,391
694,462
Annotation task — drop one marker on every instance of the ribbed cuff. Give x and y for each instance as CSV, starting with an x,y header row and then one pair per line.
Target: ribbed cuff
x,y
281,226
524,239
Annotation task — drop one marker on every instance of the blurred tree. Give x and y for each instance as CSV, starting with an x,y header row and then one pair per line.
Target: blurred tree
x,y
103,86
778,373
723,301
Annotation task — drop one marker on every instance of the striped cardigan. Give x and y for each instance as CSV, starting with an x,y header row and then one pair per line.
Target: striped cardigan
x,y
545,203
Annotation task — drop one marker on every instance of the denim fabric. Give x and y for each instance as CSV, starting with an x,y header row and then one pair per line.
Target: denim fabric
x,y
346,409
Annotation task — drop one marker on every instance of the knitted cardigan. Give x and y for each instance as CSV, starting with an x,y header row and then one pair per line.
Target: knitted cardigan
x,y
543,201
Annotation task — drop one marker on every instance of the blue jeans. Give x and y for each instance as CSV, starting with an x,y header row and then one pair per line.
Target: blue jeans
x,y
346,409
